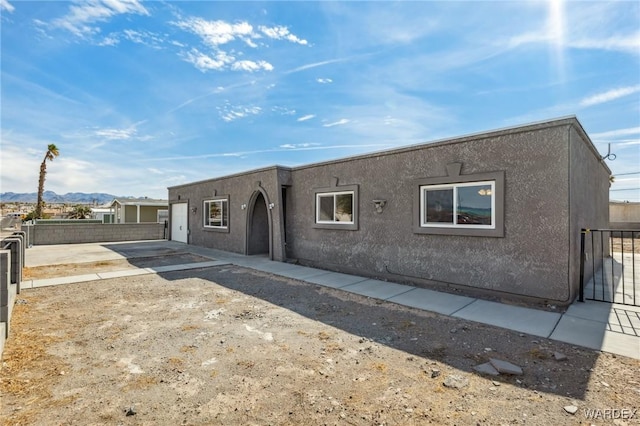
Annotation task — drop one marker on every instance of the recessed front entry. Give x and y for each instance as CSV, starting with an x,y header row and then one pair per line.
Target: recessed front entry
x,y
258,226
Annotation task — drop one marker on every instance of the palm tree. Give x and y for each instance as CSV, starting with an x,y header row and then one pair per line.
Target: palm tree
x,y
80,212
52,152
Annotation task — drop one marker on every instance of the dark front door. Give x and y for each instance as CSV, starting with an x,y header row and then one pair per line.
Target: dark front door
x,y
258,227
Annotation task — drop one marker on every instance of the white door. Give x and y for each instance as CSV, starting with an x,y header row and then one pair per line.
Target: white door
x,y
179,222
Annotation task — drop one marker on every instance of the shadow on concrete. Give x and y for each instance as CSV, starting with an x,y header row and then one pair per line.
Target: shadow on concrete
x,y
616,281
147,254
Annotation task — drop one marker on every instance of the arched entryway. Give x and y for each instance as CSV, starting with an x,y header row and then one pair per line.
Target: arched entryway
x,y
258,229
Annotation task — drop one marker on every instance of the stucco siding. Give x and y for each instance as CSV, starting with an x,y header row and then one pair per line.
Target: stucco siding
x,y
543,178
241,190
589,203
521,263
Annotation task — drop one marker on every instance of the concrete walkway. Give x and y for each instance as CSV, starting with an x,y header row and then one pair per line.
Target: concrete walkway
x,y
602,326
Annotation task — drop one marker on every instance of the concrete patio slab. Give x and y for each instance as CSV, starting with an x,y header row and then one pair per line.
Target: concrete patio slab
x,y
335,279
621,344
594,311
302,272
69,253
526,320
580,331
186,266
618,318
595,335
275,267
627,318
442,303
377,289
123,273
64,280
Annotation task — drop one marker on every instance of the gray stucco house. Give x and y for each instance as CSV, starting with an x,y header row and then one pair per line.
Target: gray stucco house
x,y
495,214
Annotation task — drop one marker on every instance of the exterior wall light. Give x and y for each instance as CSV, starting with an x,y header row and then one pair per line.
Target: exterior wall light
x,y
379,205
194,210
243,206
271,206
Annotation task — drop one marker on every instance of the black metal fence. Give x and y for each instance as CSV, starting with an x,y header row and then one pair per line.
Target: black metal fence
x,y
610,266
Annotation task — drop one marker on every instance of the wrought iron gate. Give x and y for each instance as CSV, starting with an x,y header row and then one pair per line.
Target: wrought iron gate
x,y
610,266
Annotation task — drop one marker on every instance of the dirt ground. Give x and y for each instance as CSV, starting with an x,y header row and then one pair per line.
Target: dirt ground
x,y
626,245
232,346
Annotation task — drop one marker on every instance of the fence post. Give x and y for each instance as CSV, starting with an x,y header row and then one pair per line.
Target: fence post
x,y
583,232
14,244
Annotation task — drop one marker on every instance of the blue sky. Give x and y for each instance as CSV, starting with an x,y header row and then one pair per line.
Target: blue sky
x,y
139,96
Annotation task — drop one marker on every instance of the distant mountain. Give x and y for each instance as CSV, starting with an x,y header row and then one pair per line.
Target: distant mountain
x,y
69,198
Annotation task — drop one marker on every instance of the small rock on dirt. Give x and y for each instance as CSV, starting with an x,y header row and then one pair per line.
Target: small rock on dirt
x,y
456,381
505,367
571,409
486,368
559,356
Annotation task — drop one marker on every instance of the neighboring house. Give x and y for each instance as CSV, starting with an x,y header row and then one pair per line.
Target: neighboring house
x,y
140,210
495,214
624,215
105,214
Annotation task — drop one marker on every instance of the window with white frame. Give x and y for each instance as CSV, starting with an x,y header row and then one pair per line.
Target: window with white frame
x,y
216,213
335,207
460,205
163,215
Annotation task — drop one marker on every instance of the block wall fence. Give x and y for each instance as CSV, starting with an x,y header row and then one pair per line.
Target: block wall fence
x,y
77,233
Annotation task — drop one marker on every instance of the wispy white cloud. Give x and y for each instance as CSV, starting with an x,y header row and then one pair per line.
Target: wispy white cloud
x,y
283,110
230,113
298,145
252,66
106,135
611,134
215,91
336,123
626,42
147,38
216,33
280,33
115,134
282,148
626,142
306,117
82,15
601,26
383,23
610,95
5,5
205,62
317,64
70,172
110,40
324,80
